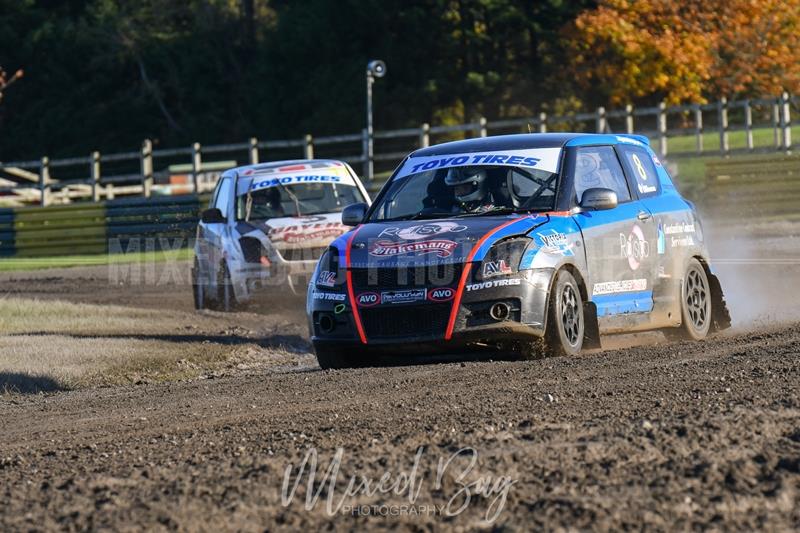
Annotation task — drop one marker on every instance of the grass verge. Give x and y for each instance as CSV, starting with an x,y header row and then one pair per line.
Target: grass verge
x,y
55,345
8,264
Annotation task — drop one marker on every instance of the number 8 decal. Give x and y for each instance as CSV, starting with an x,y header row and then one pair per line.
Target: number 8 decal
x,y
639,167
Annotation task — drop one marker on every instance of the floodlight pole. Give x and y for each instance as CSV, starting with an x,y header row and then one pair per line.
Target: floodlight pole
x,y
368,164
375,69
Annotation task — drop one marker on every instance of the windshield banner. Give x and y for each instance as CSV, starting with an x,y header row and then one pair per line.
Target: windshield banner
x,y
327,175
540,158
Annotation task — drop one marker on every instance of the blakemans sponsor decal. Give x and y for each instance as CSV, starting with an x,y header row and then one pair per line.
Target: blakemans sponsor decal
x,y
496,268
326,278
368,299
440,247
493,284
625,285
422,231
443,294
404,296
542,158
329,296
634,247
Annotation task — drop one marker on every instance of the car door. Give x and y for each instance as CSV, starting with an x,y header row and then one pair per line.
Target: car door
x,y
215,232
618,242
676,233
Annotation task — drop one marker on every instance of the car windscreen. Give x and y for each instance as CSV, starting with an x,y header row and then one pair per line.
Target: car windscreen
x,y
296,199
431,194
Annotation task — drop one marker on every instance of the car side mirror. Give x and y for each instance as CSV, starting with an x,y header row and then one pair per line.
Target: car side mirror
x,y
212,216
352,215
598,199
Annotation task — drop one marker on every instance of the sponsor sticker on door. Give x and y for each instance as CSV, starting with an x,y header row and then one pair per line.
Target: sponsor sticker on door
x,y
625,285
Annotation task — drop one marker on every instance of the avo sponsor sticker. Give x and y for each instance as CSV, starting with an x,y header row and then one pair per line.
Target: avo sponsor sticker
x,y
442,294
368,299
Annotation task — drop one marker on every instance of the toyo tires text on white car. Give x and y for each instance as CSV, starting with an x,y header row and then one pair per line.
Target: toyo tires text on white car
x,y
266,227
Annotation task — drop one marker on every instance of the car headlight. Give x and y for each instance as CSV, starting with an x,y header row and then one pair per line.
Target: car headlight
x,y
503,258
330,273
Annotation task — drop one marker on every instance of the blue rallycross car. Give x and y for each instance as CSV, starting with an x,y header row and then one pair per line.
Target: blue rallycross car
x,y
531,244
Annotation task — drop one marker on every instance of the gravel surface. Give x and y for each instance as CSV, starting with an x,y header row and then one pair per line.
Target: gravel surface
x,y
664,436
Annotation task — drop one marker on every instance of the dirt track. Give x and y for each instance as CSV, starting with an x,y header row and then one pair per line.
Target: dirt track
x,y
667,436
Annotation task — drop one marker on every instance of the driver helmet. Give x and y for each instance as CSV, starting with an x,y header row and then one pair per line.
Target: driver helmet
x,y
470,184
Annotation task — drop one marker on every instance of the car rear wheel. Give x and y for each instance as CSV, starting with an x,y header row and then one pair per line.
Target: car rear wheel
x,y
695,305
565,321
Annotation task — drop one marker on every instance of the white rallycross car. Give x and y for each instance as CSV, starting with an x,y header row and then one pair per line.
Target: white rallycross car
x,y
266,226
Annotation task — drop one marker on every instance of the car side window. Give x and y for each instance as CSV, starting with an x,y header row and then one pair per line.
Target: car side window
x,y
213,201
598,167
223,196
640,166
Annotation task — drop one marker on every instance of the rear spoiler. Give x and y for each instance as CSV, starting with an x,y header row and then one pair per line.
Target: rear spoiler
x,y
641,138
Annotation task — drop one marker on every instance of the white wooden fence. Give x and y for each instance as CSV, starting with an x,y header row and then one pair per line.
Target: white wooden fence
x,y
37,181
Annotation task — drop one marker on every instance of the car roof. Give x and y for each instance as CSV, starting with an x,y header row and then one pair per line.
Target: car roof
x,y
318,163
526,141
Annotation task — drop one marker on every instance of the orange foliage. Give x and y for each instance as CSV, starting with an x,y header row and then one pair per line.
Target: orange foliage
x,y
683,51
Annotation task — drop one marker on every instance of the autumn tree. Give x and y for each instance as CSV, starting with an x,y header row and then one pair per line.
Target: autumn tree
x,y
646,50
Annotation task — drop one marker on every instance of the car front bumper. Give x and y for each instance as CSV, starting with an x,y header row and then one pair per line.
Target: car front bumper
x,y
253,279
422,327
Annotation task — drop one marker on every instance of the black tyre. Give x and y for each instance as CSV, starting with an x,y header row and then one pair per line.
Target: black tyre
x,y
199,287
696,302
226,299
565,321
334,358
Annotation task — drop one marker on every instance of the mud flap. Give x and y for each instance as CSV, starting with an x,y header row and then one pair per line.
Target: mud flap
x,y
591,331
720,316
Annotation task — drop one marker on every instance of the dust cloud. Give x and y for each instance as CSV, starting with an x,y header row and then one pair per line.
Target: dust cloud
x,y
758,265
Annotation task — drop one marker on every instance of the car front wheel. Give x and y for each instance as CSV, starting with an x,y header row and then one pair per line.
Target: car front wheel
x,y
334,358
565,320
199,287
227,298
